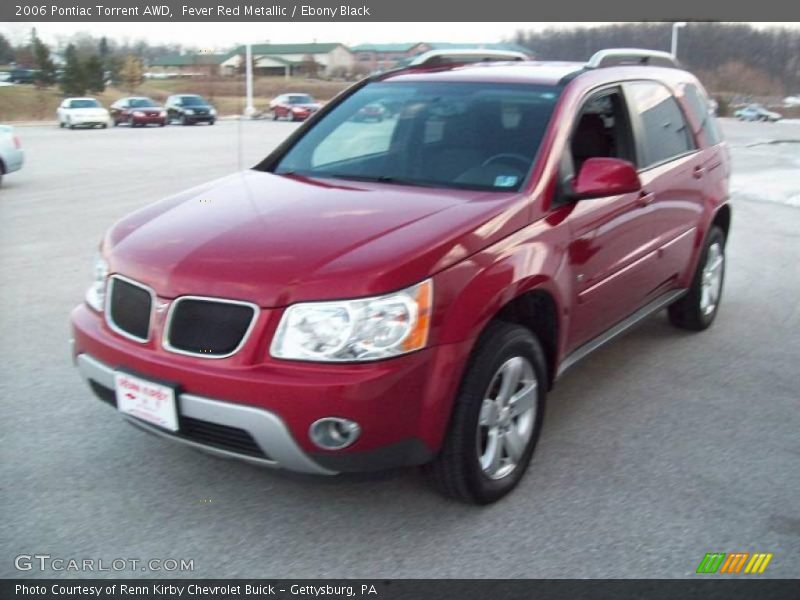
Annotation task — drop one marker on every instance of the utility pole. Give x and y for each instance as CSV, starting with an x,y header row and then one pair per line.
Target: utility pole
x,y
249,110
675,27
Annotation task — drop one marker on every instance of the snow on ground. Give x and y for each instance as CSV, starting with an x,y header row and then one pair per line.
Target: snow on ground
x,y
766,160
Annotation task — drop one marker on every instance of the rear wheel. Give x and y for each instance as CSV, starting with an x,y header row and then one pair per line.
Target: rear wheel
x,y
496,418
697,309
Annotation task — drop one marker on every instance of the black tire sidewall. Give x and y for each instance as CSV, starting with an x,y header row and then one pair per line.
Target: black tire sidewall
x,y
506,342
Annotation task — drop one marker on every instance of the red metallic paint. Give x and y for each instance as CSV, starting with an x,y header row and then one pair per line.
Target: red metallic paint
x,y
276,240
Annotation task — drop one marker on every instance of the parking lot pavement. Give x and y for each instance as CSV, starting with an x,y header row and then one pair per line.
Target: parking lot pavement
x,y
657,449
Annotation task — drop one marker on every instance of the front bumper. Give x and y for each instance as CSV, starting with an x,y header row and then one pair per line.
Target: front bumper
x,y
88,121
149,120
402,405
266,430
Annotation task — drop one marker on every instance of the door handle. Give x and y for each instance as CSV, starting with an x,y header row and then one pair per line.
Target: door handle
x,y
645,198
698,172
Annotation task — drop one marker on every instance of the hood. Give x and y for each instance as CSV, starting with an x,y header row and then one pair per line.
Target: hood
x,y
274,240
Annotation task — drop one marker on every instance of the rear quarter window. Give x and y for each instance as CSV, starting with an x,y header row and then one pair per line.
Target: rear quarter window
x,y
697,103
664,132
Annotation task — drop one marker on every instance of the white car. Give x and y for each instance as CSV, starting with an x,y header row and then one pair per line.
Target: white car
x,y
85,112
11,154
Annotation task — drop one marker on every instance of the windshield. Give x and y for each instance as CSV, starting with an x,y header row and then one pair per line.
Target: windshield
x,y
142,102
88,103
453,135
193,101
301,99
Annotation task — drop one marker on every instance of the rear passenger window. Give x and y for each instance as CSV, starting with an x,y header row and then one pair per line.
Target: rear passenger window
x,y
665,133
698,106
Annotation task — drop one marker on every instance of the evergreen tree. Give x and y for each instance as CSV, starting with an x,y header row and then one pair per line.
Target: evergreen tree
x,y
95,74
74,80
6,50
46,69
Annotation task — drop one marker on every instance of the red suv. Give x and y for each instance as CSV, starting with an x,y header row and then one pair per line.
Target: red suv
x,y
376,295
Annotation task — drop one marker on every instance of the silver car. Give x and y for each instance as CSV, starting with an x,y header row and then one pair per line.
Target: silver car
x,y
11,154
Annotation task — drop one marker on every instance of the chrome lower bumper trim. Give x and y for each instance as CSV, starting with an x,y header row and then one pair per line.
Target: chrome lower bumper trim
x,y
266,428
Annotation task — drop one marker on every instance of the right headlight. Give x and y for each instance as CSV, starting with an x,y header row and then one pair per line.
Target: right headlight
x,y
96,294
356,330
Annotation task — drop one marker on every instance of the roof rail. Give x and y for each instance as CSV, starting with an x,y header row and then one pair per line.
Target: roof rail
x,y
614,57
434,58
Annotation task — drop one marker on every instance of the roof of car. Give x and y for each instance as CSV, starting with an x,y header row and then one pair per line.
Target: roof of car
x,y
536,72
510,72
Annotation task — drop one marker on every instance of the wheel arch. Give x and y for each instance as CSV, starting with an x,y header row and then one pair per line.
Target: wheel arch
x,y
537,310
722,219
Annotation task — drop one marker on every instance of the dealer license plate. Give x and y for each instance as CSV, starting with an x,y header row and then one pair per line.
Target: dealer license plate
x,y
145,400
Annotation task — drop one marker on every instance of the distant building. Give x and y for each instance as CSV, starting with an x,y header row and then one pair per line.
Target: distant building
x,y
329,60
187,65
380,57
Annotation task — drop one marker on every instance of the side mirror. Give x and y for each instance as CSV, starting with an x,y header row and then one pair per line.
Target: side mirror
x,y
600,177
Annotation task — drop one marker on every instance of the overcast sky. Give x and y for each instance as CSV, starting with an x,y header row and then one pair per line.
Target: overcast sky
x,y
225,35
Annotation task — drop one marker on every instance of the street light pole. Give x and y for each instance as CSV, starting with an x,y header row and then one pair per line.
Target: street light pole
x,y
249,110
675,27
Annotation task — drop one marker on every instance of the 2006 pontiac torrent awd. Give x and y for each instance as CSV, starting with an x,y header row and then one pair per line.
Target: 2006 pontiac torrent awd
x,y
405,291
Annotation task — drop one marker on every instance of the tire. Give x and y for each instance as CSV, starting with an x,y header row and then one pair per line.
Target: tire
x,y
104,126
274,115
476,425
211,122
61,124
2,172
698,308
184,121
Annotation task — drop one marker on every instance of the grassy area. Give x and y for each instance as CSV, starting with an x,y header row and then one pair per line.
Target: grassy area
x,y
27,103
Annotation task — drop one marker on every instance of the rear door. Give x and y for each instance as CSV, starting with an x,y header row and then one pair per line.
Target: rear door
x,y
672,169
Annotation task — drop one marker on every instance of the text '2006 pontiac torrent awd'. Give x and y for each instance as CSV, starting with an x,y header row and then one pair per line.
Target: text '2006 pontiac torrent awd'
x,y
405,291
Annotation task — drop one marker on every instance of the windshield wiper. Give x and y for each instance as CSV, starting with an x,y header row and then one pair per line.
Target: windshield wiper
x,y
376,179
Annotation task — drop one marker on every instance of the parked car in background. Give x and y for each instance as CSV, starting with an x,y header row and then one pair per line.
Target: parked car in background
x,y
188,109
82,112
756,112
22,75
791,101
295,107
138,111
11,153
370,297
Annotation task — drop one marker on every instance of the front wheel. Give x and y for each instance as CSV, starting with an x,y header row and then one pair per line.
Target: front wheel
x,y
696,310
496,418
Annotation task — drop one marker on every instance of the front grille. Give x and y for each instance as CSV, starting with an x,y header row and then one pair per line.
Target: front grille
x,y
208,327
129,308
224,437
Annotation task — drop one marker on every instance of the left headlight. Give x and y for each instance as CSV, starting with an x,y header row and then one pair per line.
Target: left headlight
x,y
356,330
96,294
212,111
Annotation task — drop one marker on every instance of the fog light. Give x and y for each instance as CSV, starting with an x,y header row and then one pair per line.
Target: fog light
x,y
333,433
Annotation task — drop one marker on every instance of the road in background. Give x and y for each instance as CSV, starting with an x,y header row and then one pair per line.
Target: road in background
x,y
657,449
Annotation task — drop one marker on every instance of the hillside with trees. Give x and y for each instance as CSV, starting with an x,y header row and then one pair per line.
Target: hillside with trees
x,y
729,58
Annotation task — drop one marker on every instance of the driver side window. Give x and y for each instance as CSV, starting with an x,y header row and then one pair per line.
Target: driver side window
x,y
601,130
